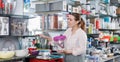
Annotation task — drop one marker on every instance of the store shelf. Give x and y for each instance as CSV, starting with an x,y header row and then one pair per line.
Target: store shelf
x,y
3,36
21,16
116,34
109,29
114,43
56,30
110,58
23,35
45,1
91,17
55,11
5,15
16,16
93,35
105,15
115,4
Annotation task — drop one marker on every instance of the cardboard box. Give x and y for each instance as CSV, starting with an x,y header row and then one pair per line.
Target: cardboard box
x,y
60,5
118,10
42,7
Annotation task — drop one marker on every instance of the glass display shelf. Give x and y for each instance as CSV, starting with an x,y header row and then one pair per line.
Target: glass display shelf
x,y
56,30
114,42
91,16
53,11
109,29
96,35
16,16
24,35
106,15
101,16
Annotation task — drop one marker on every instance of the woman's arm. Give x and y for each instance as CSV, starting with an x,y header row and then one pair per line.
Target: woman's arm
x,y
46,37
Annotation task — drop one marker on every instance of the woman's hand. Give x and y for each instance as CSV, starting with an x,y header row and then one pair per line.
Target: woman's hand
x,y
65,51
60,51
41,35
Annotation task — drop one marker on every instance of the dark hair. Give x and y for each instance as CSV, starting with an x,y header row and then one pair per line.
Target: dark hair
x,y
81,21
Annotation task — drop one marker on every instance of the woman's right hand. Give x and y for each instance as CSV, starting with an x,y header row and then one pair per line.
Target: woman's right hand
x,y
41,35
46,37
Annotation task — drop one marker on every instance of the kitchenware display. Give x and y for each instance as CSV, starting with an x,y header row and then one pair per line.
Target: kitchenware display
x,y
8,45
8,6
56,21
4,26
34,52
6,54
45,53
112,10
19,27
21,53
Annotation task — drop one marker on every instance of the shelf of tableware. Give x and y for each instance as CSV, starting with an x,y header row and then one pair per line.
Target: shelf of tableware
x,y
59,10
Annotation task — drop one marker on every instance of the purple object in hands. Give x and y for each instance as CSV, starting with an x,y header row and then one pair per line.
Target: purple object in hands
x,y
61,37
59,40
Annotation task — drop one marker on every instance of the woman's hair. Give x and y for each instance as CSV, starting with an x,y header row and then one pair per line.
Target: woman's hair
x,y
81,21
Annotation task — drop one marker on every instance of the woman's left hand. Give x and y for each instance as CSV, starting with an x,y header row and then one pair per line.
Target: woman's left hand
x,y
60,51
67,51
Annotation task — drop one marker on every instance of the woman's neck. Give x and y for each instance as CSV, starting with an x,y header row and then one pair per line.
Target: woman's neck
x,y
74,29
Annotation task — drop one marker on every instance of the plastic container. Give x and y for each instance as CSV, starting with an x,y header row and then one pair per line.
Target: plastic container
x,y
34,52
21,53
6,54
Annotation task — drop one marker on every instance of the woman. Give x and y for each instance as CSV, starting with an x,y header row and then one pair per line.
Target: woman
x,y
76,39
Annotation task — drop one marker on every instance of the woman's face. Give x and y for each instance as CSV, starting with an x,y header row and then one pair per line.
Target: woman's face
x,y
71,21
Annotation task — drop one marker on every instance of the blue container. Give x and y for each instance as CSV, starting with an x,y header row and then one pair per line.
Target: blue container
x,y
106,1
107,19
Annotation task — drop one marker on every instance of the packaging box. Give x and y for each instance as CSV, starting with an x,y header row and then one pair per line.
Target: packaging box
x,y
42,7
52,6
114,1
118,10
69,8
60,5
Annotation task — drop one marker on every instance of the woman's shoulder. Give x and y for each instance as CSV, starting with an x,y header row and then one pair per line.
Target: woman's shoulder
x,y
69,29
81,31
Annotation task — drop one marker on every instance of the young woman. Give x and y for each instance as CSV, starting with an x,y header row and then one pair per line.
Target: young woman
x,y
76,39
